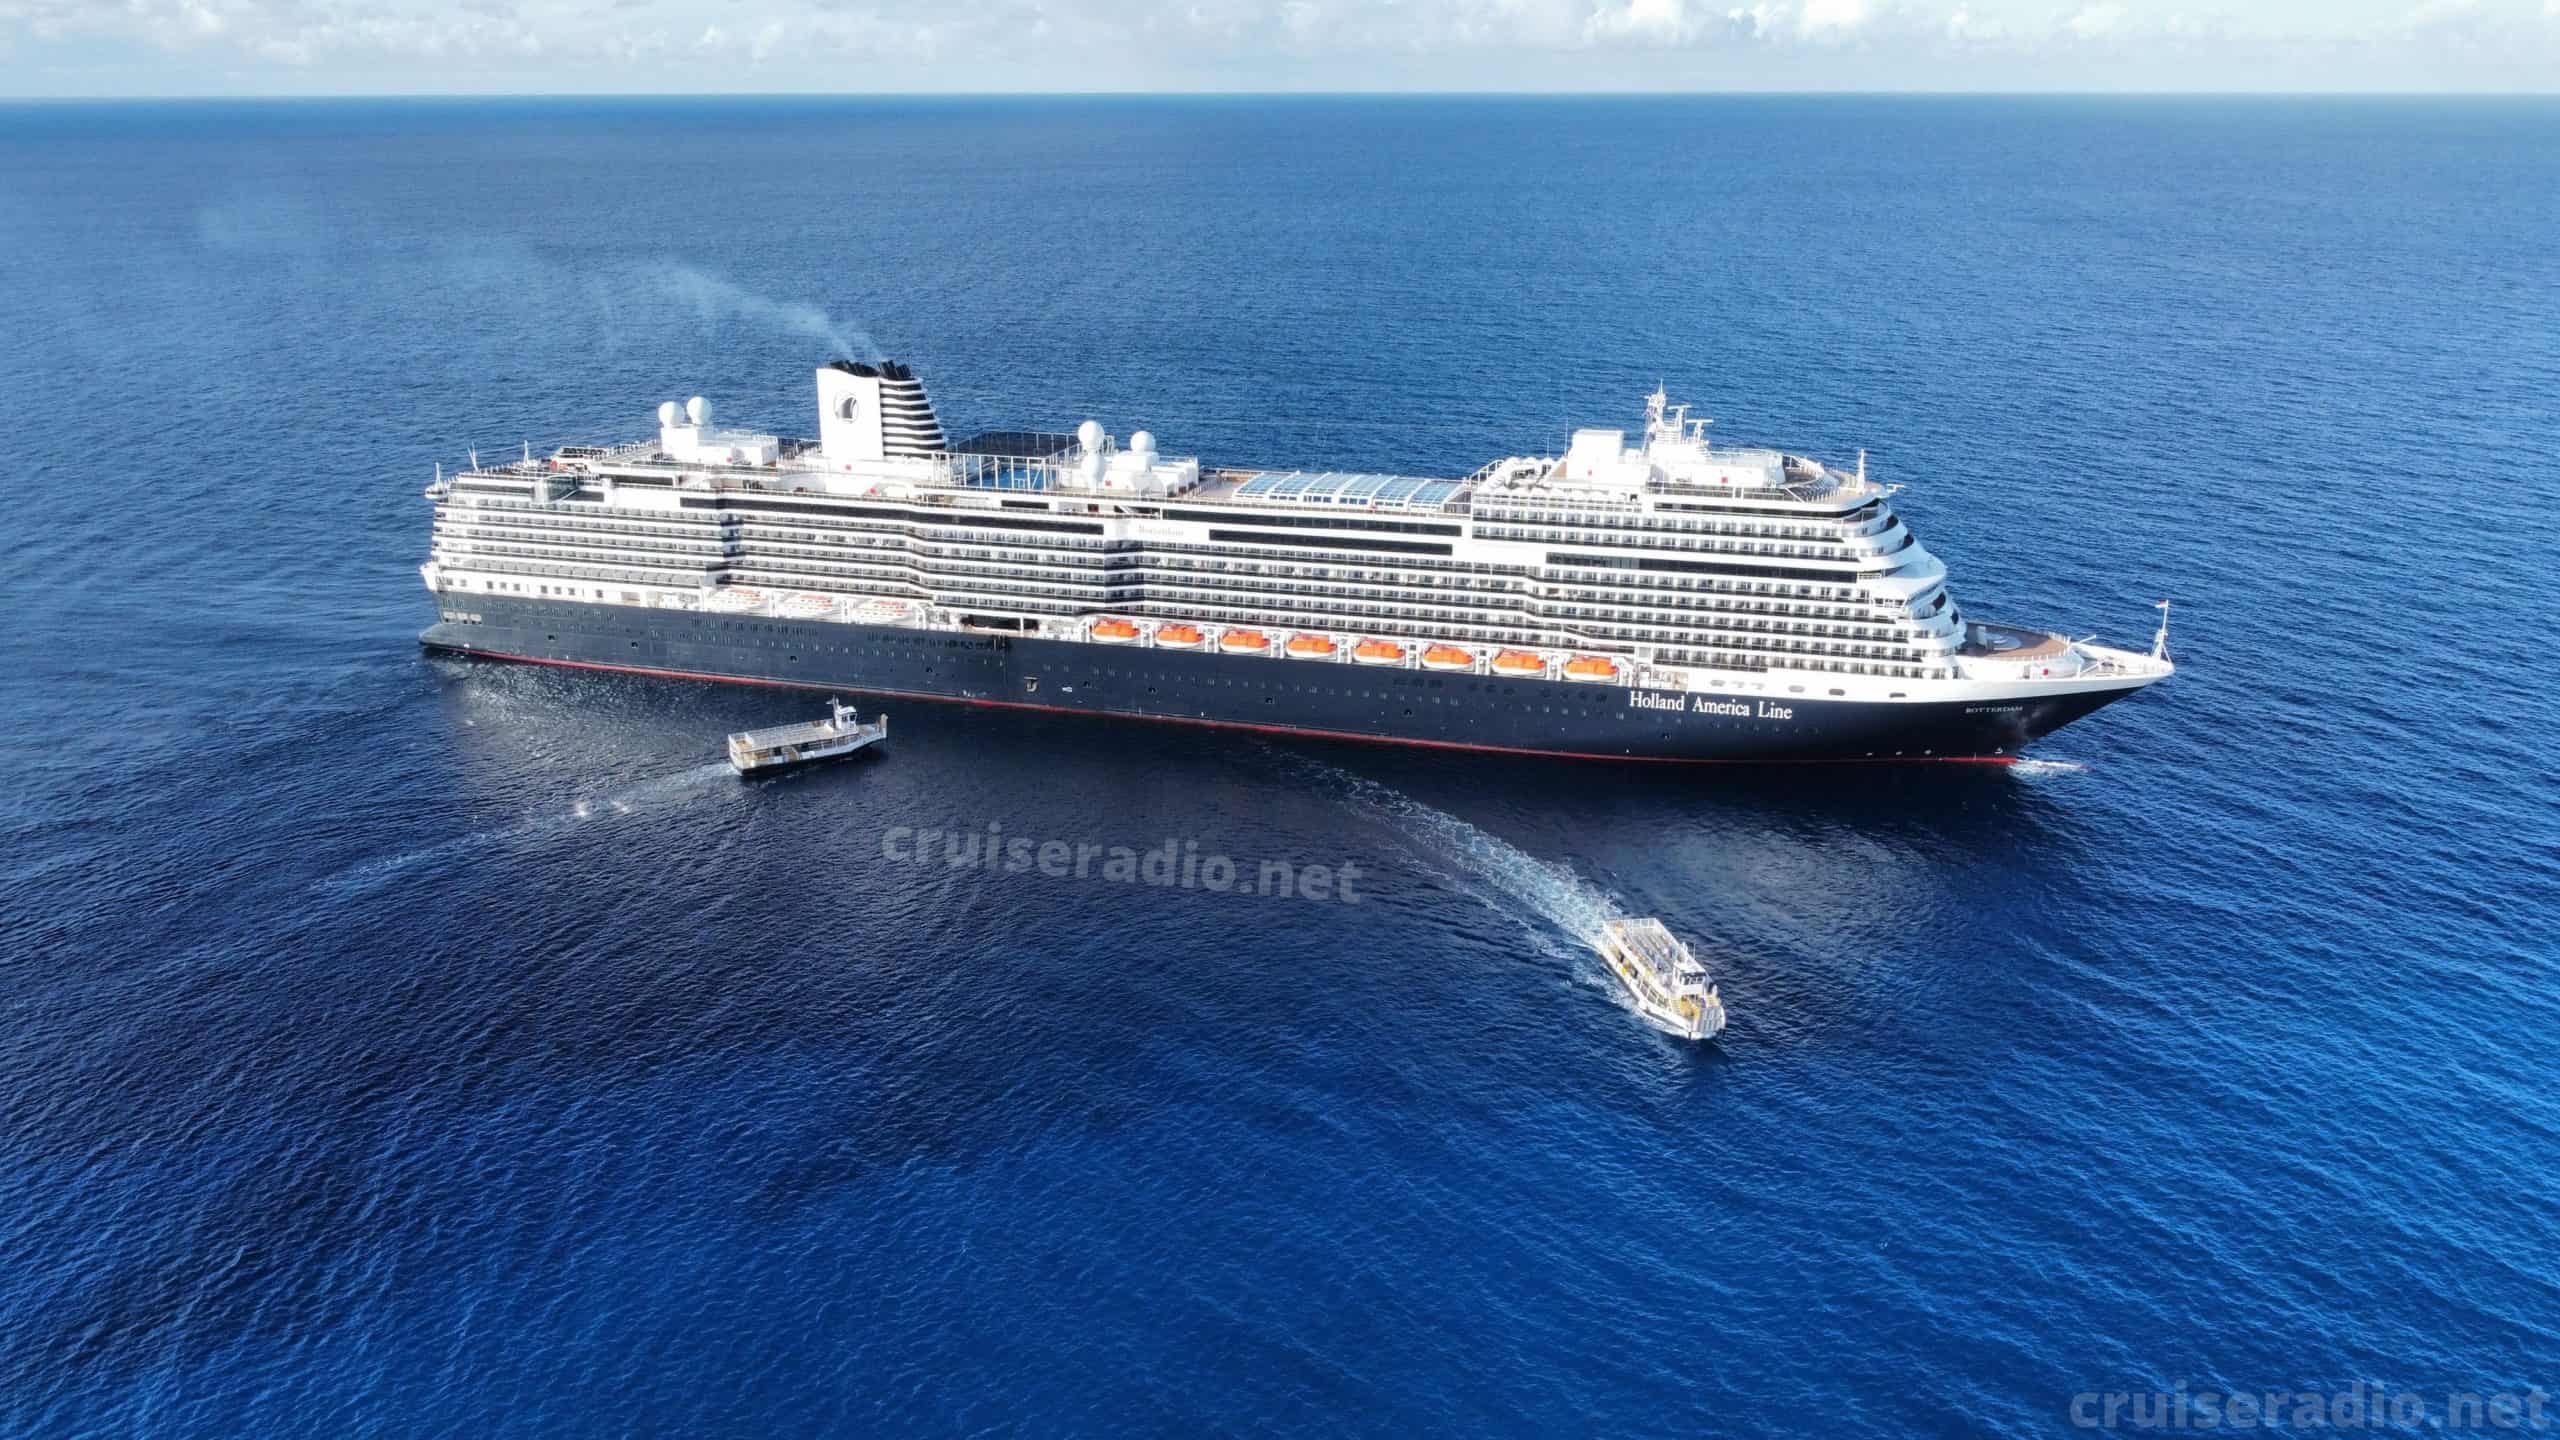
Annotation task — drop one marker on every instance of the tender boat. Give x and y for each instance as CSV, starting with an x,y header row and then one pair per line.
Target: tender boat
x,y
1179,637
1591,669
1244,642
841,733
1671,990
1112,631
1311,647
1378,652
1519,662
1448,657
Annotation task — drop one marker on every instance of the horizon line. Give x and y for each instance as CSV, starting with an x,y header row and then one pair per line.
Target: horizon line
x,y
555,97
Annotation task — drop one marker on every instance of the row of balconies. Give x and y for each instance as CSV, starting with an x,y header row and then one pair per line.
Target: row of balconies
x,y
1738,549
569,553
553,522
579,511
490,535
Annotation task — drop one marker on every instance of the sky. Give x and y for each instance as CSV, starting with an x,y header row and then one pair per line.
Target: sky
x,y
58,48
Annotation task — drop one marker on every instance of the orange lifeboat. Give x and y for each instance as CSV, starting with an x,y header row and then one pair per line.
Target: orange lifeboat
x,y
1114,631
1179,637
1311,647
1378,652
1591,668
1244,642
1519,662
1448,657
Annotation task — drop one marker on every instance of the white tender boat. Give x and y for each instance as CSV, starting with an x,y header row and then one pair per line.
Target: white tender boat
x,y
1670,988
841,733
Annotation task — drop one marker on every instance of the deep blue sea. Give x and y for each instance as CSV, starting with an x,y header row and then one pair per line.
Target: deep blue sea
x,y
392,1045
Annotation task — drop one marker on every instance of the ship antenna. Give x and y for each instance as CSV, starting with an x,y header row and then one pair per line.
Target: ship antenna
x,y
2160,642
1862,464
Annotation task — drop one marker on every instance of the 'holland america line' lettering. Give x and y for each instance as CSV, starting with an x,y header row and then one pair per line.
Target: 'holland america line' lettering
x,y
1702,705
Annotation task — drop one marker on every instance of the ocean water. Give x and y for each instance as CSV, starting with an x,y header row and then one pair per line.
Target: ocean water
x,y
391,1045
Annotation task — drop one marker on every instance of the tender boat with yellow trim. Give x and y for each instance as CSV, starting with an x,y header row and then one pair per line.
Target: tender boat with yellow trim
x,y
1671,990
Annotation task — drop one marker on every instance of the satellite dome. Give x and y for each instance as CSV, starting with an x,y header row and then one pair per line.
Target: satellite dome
x,y
1089,435
667,414
1142,442
698,410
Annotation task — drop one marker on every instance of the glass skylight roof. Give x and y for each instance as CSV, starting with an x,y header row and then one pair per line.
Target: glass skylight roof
x,y
1335,487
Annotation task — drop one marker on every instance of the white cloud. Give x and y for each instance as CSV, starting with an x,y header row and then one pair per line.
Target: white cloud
x,y
1665,22
1757,21
1964,27
2095,22
1831,19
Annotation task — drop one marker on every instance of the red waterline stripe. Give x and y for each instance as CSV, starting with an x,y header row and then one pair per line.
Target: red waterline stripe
x,y
1229,724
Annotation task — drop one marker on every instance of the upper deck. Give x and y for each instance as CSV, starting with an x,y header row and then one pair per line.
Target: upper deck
x,y
968,476
880,439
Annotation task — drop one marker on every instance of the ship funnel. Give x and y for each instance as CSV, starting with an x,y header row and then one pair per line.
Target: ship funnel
x,y
875,412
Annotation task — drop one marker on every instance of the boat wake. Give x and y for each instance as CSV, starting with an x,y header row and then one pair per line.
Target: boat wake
x,y
1547,897
2045,769
621,802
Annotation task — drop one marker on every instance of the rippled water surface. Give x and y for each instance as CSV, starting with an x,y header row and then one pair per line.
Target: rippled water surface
x,y
394,1045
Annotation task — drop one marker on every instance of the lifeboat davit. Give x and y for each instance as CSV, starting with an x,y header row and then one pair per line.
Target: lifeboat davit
x,y
1448,657
1114,631
1519,662
1312,647
1378,652
1179,637
1244,642
1591,668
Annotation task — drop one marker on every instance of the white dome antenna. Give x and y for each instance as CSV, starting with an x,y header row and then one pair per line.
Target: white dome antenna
x,y
1089,435
698,410
668,415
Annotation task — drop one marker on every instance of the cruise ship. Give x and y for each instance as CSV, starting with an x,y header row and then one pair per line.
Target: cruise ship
x,y
1654,597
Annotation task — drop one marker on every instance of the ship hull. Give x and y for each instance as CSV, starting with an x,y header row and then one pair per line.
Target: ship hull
x,y
1339,700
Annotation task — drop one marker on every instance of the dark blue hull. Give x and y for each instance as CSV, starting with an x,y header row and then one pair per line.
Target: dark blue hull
x,y
1330,698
